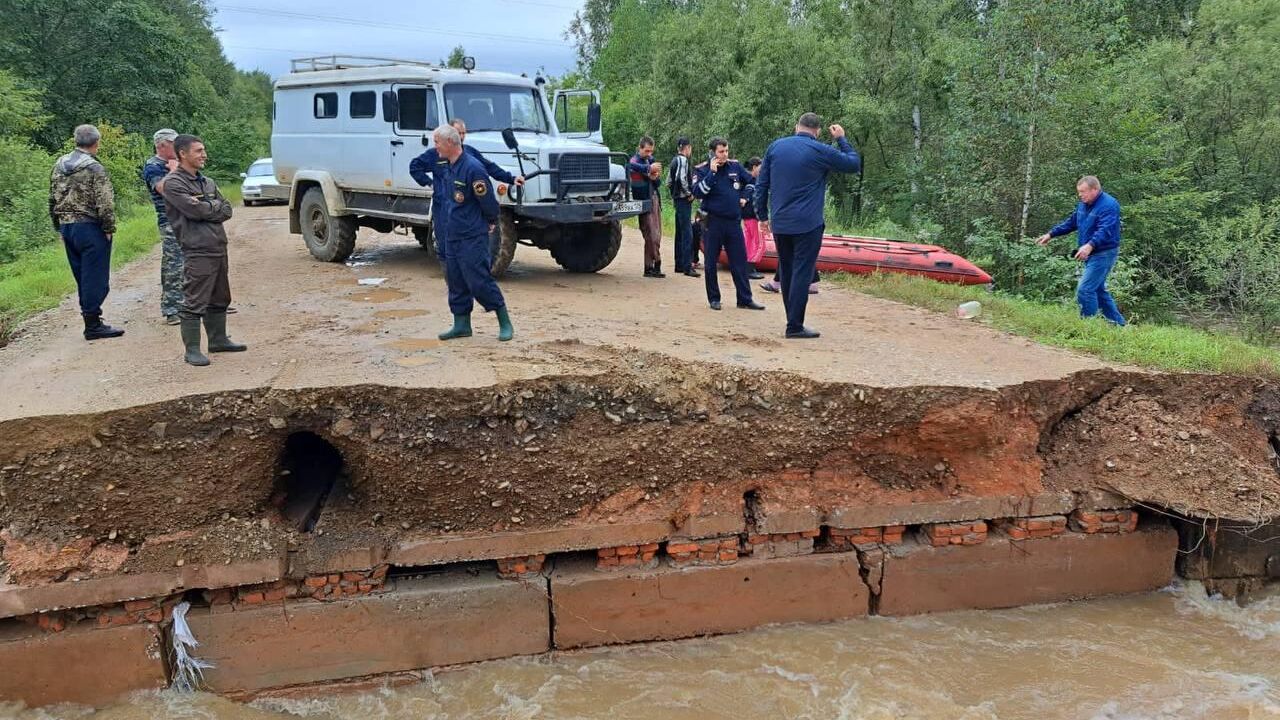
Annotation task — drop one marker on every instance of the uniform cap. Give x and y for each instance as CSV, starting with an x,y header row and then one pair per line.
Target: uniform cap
x,y
164,134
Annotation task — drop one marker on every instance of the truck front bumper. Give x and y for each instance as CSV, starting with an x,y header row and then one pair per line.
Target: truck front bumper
x,y
583,212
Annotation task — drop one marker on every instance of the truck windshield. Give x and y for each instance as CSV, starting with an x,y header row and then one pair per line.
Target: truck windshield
x,y
494,107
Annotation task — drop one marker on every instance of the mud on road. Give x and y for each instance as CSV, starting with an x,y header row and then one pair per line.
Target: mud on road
x,y
623,399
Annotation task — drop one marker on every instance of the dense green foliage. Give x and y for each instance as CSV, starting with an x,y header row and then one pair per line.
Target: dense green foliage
x,y
130,67
975,117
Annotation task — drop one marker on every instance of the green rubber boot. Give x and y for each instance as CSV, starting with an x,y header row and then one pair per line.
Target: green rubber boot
x,y
190,327
461,328
215,324
505,331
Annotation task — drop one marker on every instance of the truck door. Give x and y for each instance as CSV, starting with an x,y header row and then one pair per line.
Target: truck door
x,y
577,114
418,117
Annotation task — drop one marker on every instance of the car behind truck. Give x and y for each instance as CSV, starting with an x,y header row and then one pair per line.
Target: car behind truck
x,y
346,128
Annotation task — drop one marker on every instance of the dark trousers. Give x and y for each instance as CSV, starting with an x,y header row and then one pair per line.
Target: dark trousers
x,y
684,234
797,258
206,286
89,254
777,274
726,233
467,273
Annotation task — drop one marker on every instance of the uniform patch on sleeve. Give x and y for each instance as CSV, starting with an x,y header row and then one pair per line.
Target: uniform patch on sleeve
x,y
479,188
458,196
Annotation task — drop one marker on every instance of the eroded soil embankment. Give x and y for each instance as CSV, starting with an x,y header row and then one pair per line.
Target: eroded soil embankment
x,y
204,478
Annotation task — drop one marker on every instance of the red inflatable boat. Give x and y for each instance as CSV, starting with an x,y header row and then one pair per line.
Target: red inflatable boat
x,y
841,253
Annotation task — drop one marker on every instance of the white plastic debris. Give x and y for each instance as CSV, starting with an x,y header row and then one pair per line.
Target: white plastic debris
x,y
188,673
372,281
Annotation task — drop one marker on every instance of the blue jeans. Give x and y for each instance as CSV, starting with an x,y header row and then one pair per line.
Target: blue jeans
x,y
89,254
684,234
1092,293
797,259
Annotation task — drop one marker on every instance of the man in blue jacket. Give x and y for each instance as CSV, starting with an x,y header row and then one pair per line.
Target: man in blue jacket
x,y
790,194
721,185
1096,222
470,210
430,168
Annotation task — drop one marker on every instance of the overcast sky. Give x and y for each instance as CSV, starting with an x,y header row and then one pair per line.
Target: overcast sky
x,y
508,35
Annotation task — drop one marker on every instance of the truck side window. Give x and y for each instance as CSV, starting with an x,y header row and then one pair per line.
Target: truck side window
x,y
363,104
326,105
418,109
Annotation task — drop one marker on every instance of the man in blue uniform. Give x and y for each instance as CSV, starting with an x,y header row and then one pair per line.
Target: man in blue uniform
x,y
790,194
680,183
721,184
1096,223
469,211
429,168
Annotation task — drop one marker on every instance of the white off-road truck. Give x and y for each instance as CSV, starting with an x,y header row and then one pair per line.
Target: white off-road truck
x,y
346,128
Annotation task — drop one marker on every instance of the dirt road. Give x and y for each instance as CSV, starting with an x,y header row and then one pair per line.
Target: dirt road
x,y
311,324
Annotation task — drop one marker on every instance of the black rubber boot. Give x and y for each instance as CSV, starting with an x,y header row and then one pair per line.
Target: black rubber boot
x,y
461,328
215,324
505,331
190,328
95,329
657,270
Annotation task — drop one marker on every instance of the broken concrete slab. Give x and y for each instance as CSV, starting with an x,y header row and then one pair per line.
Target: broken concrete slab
x,y
954,510
86,666
445,619
593,608
440,550
1003,573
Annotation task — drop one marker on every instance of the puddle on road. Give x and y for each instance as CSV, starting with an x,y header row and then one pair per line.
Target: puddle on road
x,y
380,295
414,344
399,314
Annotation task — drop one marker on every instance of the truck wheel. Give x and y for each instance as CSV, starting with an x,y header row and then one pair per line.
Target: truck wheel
x,y
502,243
331,239
589,247
427,239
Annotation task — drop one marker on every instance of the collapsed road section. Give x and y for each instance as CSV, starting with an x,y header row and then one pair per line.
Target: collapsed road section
x,y
329,534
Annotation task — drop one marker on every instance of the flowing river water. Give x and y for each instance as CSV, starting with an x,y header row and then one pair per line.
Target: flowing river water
x,y
1171,654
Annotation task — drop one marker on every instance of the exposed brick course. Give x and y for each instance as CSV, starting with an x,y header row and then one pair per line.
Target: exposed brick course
x,y
1033,528
846,539
961,533
1104,521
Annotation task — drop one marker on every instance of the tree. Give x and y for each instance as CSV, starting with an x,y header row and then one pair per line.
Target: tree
x,y
455,57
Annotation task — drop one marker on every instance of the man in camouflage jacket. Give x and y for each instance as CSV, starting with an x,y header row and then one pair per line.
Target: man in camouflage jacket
x,y
153,172
82,209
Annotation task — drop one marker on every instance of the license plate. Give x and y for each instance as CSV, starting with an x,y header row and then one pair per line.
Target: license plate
x,y
630,206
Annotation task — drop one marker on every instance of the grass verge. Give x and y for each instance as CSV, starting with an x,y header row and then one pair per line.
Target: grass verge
x,y
1160,347
38,280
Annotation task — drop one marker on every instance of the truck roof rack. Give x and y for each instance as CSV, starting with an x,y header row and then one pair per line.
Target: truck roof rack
x,y
342,62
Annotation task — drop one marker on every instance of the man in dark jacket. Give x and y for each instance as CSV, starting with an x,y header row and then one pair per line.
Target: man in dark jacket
x,y
82,209
790,194
721,184
1096,223
196,210
680,184
430,168
645,177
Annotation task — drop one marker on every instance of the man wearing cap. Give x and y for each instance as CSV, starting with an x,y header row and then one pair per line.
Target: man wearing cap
x,y
153,172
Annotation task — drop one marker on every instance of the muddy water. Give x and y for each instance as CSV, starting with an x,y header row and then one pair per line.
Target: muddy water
x,y
1173,654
